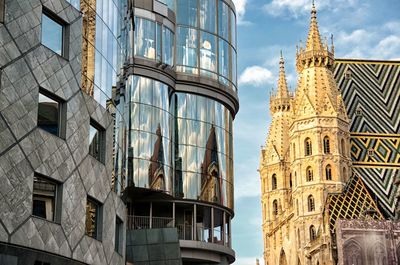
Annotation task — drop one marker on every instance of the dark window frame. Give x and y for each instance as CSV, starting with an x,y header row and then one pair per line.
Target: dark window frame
x,y
65,32
57,201
307,147
102,141
275,207
311,203
328,172
327,145
62,113
274,182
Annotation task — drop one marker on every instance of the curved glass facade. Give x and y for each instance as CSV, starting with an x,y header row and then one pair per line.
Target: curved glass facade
x,y
101,61
203,150
149,133
206,40
177,142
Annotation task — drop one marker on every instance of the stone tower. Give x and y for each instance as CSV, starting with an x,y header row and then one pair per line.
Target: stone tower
x,y
306,157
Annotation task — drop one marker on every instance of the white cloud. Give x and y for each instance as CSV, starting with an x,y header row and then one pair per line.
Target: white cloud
x,y
296,8
256,76
248,260
240,11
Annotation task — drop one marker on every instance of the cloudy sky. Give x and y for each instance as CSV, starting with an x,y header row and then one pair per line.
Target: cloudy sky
x,y
361,28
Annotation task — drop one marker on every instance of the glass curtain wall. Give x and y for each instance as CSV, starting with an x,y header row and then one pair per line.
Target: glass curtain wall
x,y
101,61
206,40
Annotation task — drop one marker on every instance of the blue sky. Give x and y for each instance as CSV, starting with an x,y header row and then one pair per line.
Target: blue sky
x,y
361,28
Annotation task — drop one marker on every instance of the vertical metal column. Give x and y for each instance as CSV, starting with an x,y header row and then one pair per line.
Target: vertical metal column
x,y
151,215
173,214
223,228
194,222
212,225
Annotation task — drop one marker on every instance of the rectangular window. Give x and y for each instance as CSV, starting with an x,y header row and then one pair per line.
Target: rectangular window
x,y
46,199
51,114
118,234
93,218
96,141
1,11
53,33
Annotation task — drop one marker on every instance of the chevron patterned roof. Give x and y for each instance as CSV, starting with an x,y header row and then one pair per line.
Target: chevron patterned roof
x,y
371,92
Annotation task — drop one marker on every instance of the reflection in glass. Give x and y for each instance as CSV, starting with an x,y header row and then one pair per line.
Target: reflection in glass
x,y
223,20
96,143
187,50
44,196
208,50
224,66
187,12
145,41
52,34
168,46
208,15
233,28
49,114
92,216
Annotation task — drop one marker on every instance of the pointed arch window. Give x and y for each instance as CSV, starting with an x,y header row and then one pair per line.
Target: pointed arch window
x,y
290,181
275,207
313,234
311,203
274,183
327,146
328,172
307,147
343,147
309,174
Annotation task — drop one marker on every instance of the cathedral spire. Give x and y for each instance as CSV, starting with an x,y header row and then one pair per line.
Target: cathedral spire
x,y
282,84
314,39
315,53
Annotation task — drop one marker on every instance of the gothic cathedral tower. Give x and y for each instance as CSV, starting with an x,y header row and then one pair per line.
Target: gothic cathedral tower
x,y
306,157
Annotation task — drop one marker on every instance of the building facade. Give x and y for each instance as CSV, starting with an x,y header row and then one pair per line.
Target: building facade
x,y
56,134
317,164
179,95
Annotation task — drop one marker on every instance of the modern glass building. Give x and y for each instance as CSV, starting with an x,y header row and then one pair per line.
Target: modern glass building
x,y
179,92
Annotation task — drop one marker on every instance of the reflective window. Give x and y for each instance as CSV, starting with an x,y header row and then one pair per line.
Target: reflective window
x,y
208,15
224,66
223,20
187,50
145,41
52,34
93,214
187,12
168,46
233,28
75,3
208,57
45,194
96,142
49,114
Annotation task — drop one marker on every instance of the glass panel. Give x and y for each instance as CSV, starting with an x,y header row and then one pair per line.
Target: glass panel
x,y
223,20
187,12
52,34
208,51
48,114
168,46
158,41
44,195
145,42
224,59
234,68
233,28
187,50
208,15
92,212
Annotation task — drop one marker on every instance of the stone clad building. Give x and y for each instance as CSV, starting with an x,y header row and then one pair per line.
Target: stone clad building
x,y
56,200
314,171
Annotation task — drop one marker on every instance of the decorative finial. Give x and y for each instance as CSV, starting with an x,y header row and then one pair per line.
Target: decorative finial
x,y
332,45
281,54
313,10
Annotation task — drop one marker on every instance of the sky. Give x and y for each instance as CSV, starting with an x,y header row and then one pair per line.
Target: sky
x,y
368,29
